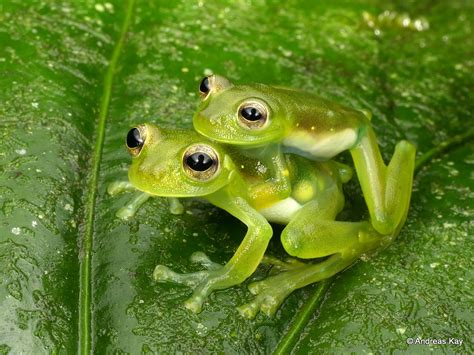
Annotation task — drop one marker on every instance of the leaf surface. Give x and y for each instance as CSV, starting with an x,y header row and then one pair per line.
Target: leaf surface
x,y
75,77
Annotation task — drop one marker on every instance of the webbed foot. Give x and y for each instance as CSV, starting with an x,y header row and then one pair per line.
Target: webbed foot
x,y
204,282
270,294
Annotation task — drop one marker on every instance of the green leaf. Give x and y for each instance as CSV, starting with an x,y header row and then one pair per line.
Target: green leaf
x,y
75,76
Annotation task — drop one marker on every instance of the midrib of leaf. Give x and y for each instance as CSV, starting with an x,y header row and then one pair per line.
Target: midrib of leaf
x,y
85,326
442,147
293,333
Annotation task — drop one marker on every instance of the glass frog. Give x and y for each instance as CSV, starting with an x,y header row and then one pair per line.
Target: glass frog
x,y
181,163
267,121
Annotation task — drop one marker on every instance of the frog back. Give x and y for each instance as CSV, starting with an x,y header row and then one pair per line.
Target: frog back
x,y
320,129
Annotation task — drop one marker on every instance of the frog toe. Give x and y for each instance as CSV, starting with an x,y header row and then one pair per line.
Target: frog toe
x,y
257,287
248,310
125,213
194,304
266,302
202,259
270,305
163,273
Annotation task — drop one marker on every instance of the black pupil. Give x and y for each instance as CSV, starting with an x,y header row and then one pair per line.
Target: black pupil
x,y
199,161
204,87
134,139
251,113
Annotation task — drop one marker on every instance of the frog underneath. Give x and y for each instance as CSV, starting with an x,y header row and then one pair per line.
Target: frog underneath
x,y
181,163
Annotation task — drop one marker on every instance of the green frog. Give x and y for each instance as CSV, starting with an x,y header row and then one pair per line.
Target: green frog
x,y
182,163
265,122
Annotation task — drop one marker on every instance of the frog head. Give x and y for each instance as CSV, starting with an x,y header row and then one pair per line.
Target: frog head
x,y
176,163
247,115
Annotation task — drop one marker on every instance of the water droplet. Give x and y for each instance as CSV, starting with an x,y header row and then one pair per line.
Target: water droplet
x,y
20,151
401,330
109,6
34,223
99,7
16,230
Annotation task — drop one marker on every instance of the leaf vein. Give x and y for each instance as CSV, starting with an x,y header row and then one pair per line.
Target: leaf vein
x,y
87,242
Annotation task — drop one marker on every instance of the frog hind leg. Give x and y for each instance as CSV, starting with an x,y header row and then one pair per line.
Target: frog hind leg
x,y
278,287
342,242
387,189
313,233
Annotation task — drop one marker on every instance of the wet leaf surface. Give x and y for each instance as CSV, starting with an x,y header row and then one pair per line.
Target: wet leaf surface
x,y
410,66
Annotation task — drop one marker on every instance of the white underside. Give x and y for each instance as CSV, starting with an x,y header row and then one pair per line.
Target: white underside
x,y
322,147
281,212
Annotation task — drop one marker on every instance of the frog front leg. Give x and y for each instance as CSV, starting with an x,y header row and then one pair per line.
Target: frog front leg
x,y
240,266
276,188
129,210
133,206
117,187
387,189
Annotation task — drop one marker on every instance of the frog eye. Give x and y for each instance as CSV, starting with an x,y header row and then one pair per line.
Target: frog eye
x,y
136,139
205,87
213,84
252,114
200,162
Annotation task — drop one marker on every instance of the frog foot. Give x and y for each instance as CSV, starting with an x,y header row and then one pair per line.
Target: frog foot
x,y
126,213
203,282
269,296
